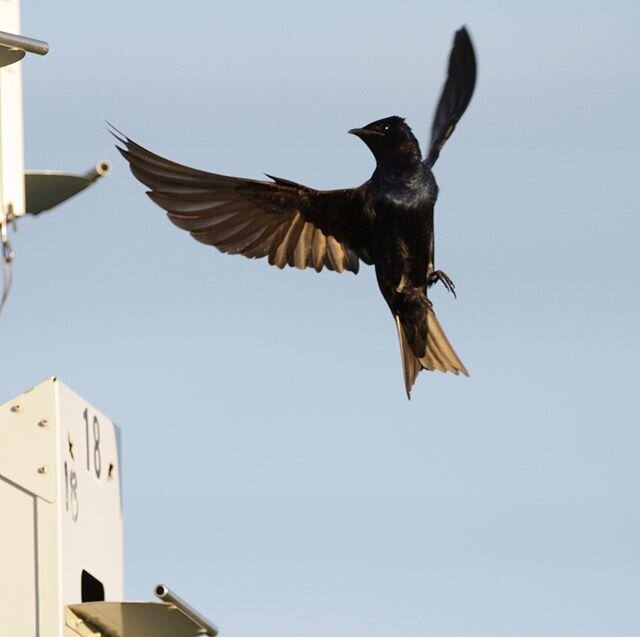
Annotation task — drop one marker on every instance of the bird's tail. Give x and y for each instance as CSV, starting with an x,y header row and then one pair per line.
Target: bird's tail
x,y
423,344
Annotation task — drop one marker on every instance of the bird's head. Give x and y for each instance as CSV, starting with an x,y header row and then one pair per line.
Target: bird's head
x,y
390,140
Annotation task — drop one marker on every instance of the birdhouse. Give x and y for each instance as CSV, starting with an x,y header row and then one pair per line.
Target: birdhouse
x,y
61,557
60,497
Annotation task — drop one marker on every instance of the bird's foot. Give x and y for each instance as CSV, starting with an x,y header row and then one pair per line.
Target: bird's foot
x,y
439,275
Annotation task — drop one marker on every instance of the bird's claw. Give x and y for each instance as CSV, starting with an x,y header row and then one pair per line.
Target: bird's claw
x,y
439,275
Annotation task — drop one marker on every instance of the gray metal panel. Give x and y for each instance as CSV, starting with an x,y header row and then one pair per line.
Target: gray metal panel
x,y
134,619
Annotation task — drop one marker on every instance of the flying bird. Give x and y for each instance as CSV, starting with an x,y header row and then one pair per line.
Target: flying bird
x,y
386,222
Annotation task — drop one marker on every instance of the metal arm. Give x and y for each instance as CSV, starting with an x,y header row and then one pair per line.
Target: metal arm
x,y
29,45
163,593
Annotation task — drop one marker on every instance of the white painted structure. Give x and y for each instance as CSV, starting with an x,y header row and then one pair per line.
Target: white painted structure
x,y
11,129
60,505
61,558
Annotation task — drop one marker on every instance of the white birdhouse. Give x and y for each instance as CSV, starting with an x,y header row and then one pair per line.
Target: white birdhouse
x,y
60,502
61,557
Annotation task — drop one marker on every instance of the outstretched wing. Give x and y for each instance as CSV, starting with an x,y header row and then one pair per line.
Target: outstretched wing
x,y
282,220
456,94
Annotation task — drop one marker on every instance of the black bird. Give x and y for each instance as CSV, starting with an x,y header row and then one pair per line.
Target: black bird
x,y
386,222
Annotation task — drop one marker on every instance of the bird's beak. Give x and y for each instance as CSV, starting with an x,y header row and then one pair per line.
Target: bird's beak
x,y
363,132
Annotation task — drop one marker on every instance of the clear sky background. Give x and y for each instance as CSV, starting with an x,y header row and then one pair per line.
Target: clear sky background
x,y
274,473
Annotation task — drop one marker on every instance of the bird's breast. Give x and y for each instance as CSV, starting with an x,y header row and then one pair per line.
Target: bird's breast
x,y
405,191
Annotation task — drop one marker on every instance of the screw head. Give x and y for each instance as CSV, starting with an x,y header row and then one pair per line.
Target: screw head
x,y
42,469
43,423
16,408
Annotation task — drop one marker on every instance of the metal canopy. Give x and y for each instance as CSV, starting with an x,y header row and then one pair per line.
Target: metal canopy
x,y
46,189
171,618
10,56
131,619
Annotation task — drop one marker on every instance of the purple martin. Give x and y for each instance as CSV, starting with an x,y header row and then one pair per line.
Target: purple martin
x,y
386,222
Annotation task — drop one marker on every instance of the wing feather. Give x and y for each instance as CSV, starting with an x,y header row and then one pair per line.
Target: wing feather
x,y
287,222
456,93
319,249
302,250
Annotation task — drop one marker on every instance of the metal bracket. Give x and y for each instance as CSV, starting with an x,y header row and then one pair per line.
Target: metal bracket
x,y
164,594
14,47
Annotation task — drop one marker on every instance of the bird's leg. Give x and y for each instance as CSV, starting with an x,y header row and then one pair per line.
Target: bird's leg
x,y
439,275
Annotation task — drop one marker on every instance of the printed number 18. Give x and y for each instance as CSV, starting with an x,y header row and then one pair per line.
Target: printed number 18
x,y
95,430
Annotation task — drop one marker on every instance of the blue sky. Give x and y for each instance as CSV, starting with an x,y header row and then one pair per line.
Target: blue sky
x,y
275,474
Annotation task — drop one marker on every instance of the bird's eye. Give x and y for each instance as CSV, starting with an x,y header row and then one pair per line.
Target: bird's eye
x,y
385,128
